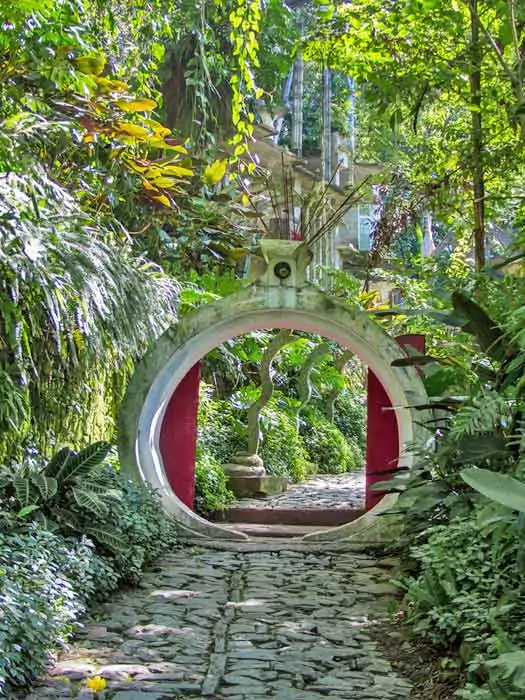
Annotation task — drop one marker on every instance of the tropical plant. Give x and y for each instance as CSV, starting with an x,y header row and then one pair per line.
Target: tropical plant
x,y
211,486
283,451
47,579
327,447
46,582
72,493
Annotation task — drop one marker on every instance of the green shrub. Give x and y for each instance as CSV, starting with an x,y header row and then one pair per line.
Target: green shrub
x,y
350,418
469,595
45,584
47,577
282,448
140,523
327,446
78,494
72,493
220,430
211,486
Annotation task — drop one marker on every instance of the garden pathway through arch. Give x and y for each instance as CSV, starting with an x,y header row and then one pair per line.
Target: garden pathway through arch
x,y
239,621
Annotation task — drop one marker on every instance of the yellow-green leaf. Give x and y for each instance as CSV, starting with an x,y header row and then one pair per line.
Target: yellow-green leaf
x,y
162,199
157,142
141,104
164,182
215,172
137,166
159,129
107,85
148,186
176,170
129,129
91,65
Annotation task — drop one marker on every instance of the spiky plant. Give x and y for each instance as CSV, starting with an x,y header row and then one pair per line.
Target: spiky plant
x,y
75,307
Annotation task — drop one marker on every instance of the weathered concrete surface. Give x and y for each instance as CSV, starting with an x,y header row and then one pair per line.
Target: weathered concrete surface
x,y
253,485
280,621
304,308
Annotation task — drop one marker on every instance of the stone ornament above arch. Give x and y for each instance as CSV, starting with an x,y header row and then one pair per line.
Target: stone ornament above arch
x,y
270,302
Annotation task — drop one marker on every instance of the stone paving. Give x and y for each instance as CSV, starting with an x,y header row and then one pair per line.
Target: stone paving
x,y
324,491
252,621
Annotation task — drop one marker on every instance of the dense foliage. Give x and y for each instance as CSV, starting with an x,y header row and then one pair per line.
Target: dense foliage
x,y
45,584
297,435
327,446
463,546
56,556
124,182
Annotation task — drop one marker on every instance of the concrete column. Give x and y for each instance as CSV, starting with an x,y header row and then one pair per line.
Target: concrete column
x,y
298,106
326,142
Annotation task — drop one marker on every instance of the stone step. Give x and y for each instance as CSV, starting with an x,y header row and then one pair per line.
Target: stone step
x,y
280,531
318,517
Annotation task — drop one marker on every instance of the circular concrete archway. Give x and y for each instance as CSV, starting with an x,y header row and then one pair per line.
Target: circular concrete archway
x,y
258,306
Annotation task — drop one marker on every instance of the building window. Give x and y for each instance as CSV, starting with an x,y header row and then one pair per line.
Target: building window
x,y
365,224
396,298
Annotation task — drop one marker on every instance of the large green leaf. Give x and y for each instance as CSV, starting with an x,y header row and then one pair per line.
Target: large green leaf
x,y
89,500
489,334
26,510
45,522
83,462
423,498
107,538
23,490
474,448
66,518
47,486
498,487
54,466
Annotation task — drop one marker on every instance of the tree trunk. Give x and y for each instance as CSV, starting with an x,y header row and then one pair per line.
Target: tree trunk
x,y
478,173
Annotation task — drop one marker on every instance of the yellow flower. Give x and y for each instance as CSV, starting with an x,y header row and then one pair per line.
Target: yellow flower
x,y
96,683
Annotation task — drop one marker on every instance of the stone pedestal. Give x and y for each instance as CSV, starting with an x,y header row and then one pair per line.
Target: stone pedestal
x,y
247,477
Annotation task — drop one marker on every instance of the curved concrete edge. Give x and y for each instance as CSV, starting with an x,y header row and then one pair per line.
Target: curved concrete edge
x,y
376,525
253,308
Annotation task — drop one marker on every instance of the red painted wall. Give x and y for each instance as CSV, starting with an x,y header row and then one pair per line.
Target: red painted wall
x,y
178,436
382,442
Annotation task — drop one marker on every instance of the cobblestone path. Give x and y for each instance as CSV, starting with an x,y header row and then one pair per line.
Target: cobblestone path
x,y
288,624
334,491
